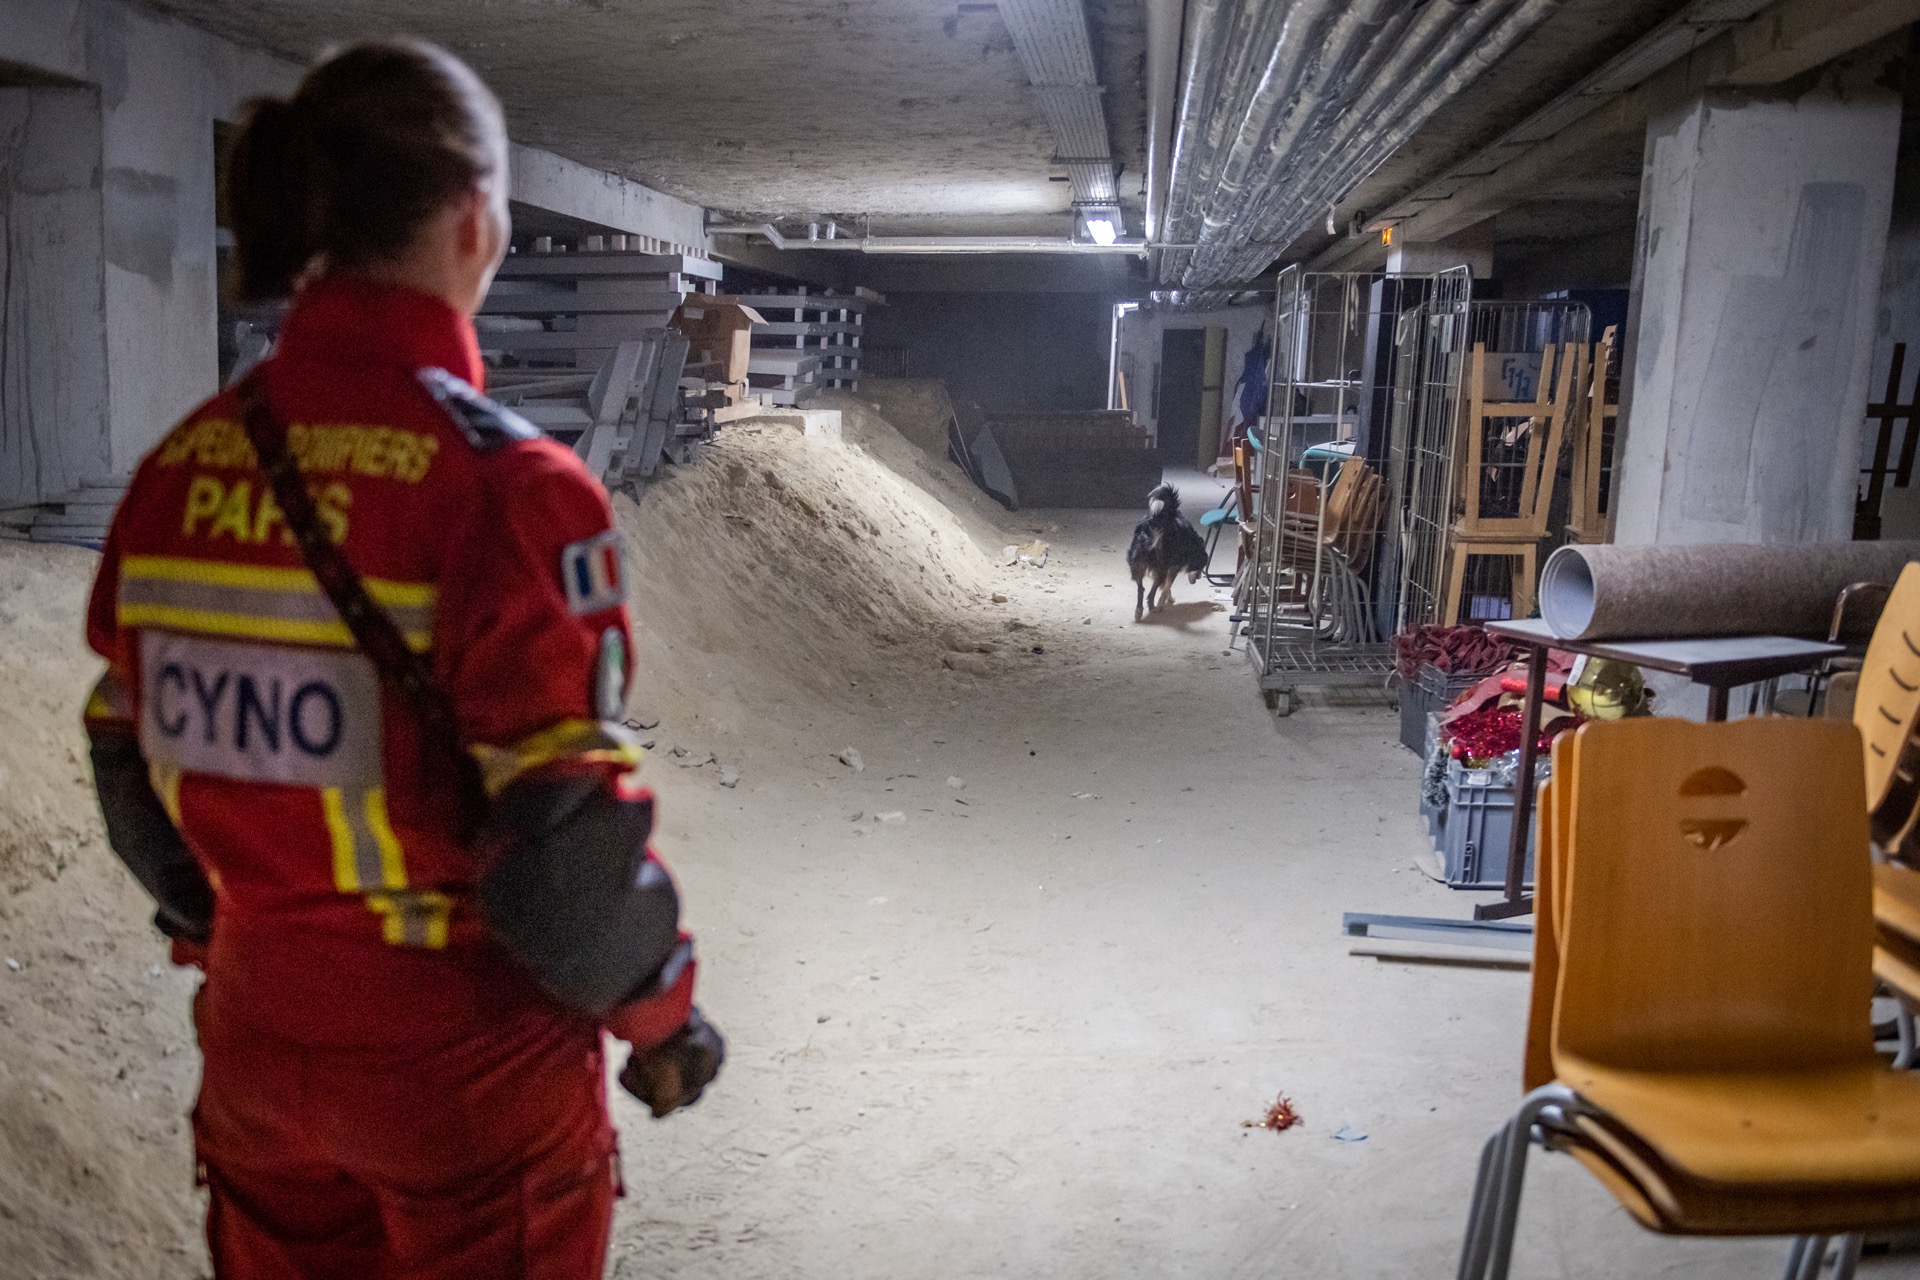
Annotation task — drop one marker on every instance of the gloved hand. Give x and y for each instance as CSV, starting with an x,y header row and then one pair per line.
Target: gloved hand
x,y
673,1073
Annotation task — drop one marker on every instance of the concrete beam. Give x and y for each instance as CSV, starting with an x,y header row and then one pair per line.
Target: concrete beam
x,y
559,185
1783,41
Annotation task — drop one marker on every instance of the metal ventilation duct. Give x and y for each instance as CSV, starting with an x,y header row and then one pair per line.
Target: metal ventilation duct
x,y
1051,38
1286,105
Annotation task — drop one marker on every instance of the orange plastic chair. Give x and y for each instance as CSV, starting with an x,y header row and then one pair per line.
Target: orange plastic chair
x,y
1705,930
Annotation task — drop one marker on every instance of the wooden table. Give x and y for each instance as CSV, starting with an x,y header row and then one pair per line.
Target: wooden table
x,y
1718,662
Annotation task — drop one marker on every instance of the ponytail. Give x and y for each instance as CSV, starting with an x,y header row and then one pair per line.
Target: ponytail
x,y
375,141
269,195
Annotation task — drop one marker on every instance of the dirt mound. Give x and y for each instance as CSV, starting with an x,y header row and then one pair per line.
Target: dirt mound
x,y
44,674
918,408
872,427
95,1076
787,570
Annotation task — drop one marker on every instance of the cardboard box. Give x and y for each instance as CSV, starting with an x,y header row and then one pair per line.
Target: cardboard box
x,y
718,334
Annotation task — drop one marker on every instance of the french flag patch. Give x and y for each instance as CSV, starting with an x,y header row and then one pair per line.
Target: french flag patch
x,y
590,572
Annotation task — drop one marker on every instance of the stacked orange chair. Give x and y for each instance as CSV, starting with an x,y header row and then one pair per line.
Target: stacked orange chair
x,y
1699,1037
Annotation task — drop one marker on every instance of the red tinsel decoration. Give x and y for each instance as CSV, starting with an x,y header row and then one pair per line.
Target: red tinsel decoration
x,y
1279,1117
1495,731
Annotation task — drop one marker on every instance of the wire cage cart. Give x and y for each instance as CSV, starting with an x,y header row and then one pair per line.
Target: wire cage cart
x,y
1429,345
1358,363
1523,397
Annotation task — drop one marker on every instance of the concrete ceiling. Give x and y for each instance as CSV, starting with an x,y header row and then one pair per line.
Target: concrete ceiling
x,y
905,115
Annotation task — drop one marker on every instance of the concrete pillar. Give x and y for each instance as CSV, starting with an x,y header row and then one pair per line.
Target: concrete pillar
x,y
1763,223
1472,246
53,351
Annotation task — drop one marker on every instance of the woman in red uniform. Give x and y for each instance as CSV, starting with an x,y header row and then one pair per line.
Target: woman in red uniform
x,y
359,732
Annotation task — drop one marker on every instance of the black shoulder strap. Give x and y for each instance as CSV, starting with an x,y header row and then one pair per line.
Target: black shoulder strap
x,y
370,625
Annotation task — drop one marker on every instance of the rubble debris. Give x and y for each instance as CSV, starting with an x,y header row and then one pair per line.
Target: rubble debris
x,y
851,758
729,776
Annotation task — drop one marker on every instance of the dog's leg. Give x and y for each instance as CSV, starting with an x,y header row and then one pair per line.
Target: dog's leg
x,y
1139,595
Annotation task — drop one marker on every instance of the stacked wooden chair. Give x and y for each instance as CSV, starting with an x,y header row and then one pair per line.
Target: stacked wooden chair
x,y
1885,707
1590,513
1524,481
1699,1036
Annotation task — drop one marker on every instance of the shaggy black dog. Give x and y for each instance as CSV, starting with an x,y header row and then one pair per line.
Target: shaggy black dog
x,y
1164,545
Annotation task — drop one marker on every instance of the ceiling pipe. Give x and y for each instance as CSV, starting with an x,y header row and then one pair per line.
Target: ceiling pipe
x,y
1286,107
1165,19
933,244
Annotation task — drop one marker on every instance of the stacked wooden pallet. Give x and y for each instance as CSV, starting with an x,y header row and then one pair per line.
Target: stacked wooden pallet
x,y
810,343
80,517
579,343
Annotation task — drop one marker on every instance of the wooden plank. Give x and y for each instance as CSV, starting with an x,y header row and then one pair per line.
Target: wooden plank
x,y
785,363
610,264
798,301
548,417
1469,957
615,299
806,328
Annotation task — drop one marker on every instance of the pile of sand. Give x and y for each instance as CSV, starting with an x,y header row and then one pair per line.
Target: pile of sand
x,y
783,571
918,408
96,1073
870,425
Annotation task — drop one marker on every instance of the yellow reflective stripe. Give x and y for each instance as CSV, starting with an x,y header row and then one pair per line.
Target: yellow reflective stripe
x,y
393,863
251,626
166,785
592,740
412,919
221,573
346,871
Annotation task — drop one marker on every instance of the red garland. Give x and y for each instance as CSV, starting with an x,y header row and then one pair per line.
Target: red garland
x,y
1494,731
1280,1116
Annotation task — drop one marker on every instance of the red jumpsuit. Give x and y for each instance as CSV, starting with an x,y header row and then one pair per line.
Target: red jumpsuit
x,y
386,1092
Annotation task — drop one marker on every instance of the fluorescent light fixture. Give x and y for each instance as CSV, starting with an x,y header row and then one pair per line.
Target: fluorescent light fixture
x,y
1102,230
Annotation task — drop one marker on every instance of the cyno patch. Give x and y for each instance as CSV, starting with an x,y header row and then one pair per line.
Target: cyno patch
x,y
259,712
591,574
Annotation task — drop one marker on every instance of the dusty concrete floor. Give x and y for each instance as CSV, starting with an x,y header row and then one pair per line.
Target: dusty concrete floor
x,y
1017,1036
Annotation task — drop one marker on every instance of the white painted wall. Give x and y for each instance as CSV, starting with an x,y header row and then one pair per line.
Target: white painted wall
x,y
160,85
1763,228
1140,336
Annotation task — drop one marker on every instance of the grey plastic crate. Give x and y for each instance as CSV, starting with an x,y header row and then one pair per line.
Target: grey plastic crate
x,y
1476,830
1430,690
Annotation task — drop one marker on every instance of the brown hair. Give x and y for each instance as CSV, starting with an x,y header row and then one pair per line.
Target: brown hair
x,y
377,138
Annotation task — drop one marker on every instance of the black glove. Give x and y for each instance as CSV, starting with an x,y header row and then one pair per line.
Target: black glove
x,y
672,1074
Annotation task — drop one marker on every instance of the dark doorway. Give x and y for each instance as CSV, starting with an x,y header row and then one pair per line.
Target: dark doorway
x,y
1183,359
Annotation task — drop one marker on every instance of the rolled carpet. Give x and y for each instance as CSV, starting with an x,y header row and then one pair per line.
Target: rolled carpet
x,y
1718,589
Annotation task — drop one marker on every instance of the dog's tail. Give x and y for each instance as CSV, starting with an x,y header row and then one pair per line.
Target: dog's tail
x,y
1164,500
